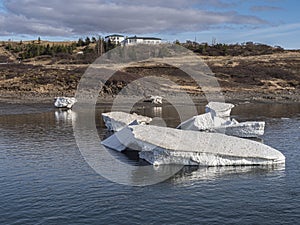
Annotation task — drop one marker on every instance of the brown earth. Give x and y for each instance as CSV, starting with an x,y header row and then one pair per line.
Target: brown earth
x,y
274,77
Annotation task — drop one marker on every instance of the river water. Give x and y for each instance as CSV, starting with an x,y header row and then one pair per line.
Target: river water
x,y
45,180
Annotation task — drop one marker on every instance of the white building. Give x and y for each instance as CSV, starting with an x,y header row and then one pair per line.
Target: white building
x,y
141,40
115,38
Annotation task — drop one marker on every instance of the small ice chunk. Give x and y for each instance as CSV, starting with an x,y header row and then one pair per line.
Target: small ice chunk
x,y
120,140
64,102
116,121
210,123
246,129
155,99
219,109
204,122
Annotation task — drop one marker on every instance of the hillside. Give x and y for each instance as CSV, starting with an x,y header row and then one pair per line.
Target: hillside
x,y
266,77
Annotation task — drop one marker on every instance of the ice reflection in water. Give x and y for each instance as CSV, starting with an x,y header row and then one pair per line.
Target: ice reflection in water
x,y
65,115
157,111
193,173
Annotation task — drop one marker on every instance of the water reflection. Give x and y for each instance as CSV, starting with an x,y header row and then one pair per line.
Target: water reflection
x,y
157,111
65,115
190,174
261,110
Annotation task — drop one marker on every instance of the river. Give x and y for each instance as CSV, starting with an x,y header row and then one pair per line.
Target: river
x,y
45,180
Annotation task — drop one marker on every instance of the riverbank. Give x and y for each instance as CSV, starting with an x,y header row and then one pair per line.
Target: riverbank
x,y
233,97
264,78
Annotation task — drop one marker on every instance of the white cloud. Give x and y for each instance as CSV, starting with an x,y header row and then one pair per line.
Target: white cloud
x,y
72,17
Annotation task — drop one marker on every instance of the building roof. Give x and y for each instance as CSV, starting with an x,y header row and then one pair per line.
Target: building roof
x,y
114,35
144,38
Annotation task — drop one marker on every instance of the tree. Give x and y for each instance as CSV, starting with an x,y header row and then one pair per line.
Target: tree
x,y
80,42
87,41
94,40
47,50
108,45
177,42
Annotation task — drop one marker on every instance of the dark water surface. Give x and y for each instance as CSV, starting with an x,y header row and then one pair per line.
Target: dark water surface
x,y
45,180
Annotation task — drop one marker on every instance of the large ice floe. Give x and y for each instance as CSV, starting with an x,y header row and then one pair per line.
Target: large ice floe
x,y
115,121
163,145
199,148
206,140
64,102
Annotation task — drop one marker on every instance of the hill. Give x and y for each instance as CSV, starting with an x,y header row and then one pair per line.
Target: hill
x,y
267,74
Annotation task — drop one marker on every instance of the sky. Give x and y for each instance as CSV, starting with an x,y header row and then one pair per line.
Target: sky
x,y
273,22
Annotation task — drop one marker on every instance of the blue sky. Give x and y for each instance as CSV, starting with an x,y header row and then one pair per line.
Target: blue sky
x,y
274,22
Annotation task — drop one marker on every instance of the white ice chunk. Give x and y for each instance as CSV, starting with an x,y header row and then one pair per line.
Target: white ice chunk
x,y
200,148
116,121
208,122
219,109
245,129
64,102
154,99
120,140
124,138
160,156
204,122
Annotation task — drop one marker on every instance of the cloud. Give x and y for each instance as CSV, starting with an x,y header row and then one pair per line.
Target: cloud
x,y
264,8
274,31
78,17
178,3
